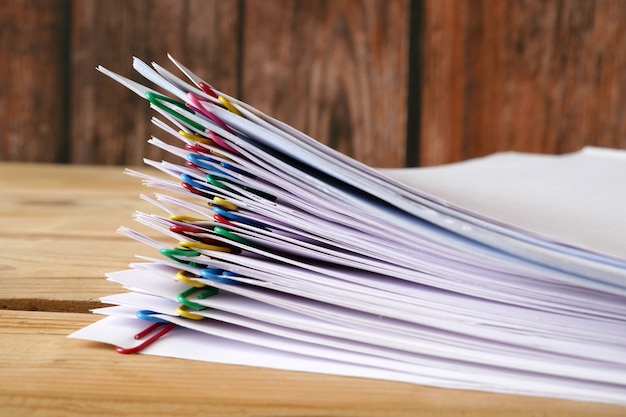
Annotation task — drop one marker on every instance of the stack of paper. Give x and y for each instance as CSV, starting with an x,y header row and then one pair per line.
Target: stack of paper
x,y
506,273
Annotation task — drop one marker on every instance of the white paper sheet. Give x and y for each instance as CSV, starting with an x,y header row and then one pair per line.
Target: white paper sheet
x,y
574,199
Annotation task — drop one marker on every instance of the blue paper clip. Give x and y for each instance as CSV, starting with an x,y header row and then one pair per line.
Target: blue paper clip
x,y
192,181
215,274
200,160
229,215
148,316
237,170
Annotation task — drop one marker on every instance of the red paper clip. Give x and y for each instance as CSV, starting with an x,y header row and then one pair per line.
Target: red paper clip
x,y
166,328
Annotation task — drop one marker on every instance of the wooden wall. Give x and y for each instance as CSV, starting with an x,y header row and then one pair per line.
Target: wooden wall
x,y
529,75
390,82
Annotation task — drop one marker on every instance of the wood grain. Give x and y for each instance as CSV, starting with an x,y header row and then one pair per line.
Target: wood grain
x,y
33,80
110,125
336,70
522,75
35,356
58,231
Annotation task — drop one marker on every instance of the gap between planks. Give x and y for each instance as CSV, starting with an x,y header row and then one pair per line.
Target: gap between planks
x,y
51,306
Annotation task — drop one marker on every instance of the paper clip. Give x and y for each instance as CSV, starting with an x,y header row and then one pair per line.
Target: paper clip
x,y
148,316
195,191
192,181
182,277
215,181
198,148
232,236
185,228
229,105
228,215
182,311
218,140
222,220
230,167
192,165
157,99
192,232
154,326
201,161
173,254
224,203
183,218
196,105
206,293
207,89
190,184
216,275
204,246
195,138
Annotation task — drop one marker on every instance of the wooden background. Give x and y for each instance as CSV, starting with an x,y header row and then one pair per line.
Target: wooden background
x,y
390,82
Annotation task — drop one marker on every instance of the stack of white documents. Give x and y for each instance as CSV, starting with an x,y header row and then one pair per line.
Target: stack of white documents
x,y
505,273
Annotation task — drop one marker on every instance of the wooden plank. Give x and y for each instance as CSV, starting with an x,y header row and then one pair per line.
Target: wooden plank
x,y
443,80
33,101
110,124
336,70
522,75
35,355
58,232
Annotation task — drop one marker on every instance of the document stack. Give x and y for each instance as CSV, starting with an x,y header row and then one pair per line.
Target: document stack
x,y
505,273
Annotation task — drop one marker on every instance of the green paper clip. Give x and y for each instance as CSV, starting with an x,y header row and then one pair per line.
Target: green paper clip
x,y
206,293
157,100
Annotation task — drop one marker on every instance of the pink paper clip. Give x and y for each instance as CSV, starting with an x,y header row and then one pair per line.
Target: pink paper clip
x,y
221,142
196,105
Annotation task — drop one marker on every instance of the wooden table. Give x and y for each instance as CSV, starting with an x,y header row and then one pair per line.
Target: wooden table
x,y
57,239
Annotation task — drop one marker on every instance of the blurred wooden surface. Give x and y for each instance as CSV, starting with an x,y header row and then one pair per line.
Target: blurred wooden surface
x,y
484,75
522,75
59,235
336,69
57,239
111,124
33,80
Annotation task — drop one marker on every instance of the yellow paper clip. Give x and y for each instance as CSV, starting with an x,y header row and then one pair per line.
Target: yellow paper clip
x,y
182,311
229,105
182,277
204,246
225,203
195,138
182,218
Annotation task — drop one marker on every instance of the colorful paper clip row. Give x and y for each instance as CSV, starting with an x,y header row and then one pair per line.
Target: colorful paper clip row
x,y
199,158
